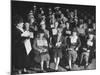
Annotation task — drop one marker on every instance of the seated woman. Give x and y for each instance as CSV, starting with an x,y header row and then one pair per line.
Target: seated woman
x,y
58,49
73,48
88,50
85,56
41,46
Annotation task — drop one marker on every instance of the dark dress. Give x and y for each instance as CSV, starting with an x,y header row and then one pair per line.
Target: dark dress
x,y
58,50
72,54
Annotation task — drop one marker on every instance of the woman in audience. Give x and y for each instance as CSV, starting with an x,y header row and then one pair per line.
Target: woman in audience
x,y
41,46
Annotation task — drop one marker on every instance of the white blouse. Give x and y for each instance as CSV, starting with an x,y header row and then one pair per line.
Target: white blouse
x,y
54,31
42,43
89,43
74,39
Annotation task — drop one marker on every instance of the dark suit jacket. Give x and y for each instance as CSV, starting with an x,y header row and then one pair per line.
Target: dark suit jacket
x,y
18,49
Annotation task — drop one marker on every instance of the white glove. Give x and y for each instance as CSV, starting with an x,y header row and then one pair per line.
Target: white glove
x,y
25,34
77,49
88,50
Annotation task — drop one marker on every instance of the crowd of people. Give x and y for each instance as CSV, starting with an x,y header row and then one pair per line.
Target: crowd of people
x,y
58,37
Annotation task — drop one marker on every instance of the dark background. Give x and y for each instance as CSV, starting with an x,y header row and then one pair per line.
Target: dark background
x,y
22,8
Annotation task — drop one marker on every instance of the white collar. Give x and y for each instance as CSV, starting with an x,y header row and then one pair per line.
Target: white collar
x,y
21,29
